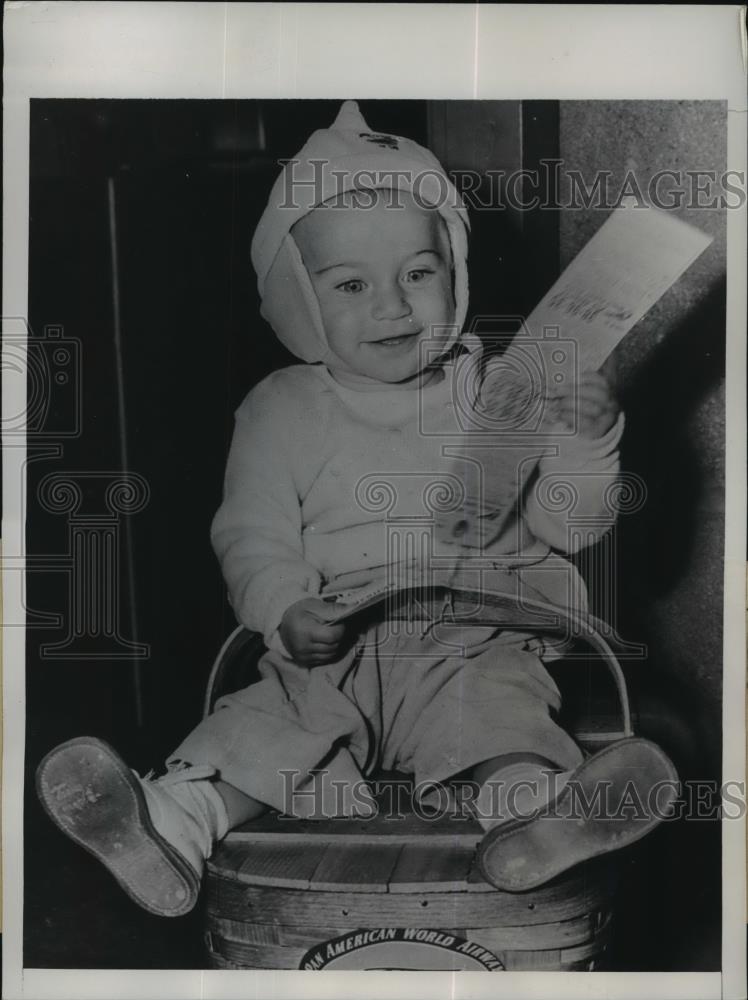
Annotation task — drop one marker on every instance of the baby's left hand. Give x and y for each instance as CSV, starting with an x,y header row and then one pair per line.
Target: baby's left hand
x,y
590,406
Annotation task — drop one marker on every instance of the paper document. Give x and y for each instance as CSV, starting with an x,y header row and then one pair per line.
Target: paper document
x,y
630,262
635,256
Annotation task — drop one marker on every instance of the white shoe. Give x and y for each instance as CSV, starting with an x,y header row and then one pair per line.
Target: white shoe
x,y
152,835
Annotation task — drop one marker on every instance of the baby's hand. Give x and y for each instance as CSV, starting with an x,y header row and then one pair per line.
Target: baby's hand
x,y
593,403
308,636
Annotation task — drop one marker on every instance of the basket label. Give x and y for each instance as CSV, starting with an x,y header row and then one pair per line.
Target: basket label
x,y
400,948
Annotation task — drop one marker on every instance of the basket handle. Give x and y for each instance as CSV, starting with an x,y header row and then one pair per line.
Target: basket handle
x,y
553,620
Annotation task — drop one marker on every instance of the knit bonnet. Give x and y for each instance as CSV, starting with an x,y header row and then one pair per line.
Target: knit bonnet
x,y
344,157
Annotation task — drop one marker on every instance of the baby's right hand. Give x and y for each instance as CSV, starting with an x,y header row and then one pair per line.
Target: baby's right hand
x,y
307,634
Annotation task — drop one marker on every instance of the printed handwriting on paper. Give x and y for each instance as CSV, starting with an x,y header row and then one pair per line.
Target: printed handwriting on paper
x,y
630,262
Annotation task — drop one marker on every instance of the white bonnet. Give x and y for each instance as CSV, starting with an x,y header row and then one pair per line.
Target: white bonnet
x,y
346,156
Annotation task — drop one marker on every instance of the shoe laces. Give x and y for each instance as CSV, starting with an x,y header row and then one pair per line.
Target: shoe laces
x,y
182,772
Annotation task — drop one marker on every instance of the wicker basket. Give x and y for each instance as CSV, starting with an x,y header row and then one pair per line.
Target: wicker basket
x,y
291,894
276,897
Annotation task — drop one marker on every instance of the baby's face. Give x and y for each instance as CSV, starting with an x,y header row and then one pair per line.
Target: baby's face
x,y
382,276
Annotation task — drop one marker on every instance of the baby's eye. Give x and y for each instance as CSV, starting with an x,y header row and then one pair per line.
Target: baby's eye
x,y
351,287
418,274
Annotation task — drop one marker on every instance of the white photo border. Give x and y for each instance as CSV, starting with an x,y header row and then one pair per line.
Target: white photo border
x,y
264,50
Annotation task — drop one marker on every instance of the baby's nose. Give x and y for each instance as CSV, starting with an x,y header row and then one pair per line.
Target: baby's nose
x,y
391,303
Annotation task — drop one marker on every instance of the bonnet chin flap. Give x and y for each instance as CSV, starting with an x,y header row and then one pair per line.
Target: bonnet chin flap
x,y
459,246
290,305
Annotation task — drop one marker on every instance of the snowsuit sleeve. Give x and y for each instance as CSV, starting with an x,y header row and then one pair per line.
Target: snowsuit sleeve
x,y
256,532
580,476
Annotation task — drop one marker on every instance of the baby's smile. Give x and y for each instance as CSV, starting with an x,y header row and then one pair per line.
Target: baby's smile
x,y
399,339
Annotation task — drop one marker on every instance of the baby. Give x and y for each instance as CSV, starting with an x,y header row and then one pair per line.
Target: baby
x,y
361,259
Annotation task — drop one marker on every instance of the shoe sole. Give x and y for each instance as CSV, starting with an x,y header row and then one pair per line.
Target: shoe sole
x,y
525,853
91,795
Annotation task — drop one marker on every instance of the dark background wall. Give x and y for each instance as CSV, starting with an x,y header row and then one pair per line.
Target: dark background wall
x,y
141,216
670,376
